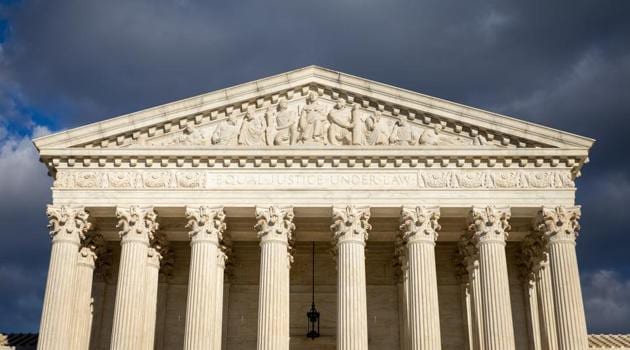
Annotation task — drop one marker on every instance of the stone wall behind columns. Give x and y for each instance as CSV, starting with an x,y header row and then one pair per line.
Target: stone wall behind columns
x,y
242,298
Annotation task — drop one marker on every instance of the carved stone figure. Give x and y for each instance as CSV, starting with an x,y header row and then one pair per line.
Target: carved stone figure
x,y
402,134
252,129
281,125
431,137
312,120
192,136
341,127
226,133
376,130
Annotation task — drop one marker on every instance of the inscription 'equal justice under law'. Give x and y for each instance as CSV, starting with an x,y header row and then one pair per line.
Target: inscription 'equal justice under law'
x,y
315,180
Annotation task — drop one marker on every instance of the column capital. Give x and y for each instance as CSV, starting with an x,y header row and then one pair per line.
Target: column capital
x,y
275,223
420,224
222,258
533,256
138,224
67,224
350,223
206,224
558,224
489,224
401,260
87,257
468,253
154,258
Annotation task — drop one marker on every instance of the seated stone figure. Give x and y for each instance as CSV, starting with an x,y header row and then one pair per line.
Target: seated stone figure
x,y
402,134
312,120
226,132
281,125
341,124
431,137
252,129
376,130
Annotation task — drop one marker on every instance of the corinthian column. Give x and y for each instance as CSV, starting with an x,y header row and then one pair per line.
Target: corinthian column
x,y
560,227
404,319
67,227
349,233
83,299
419,228
275,231
547,312
156,251
488,227
536,264
138,225
470,260
531,253
207,225
218,324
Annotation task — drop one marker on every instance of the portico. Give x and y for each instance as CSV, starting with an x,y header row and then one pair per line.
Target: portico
x,y
198,218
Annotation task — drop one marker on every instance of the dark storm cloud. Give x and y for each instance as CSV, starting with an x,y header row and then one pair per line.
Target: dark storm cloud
x,y
565,64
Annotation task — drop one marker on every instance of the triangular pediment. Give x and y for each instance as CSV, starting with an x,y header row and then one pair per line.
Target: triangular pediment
x,y
312,107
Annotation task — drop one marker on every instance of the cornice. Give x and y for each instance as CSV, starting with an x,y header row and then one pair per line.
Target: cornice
x,y
567,161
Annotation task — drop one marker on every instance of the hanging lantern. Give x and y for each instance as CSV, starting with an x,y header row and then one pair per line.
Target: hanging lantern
x,y
313,315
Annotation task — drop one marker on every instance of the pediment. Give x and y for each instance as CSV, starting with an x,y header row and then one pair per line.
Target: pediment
x,y
312,107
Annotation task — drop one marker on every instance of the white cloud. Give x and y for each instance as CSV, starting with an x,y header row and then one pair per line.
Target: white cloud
x,y
607,302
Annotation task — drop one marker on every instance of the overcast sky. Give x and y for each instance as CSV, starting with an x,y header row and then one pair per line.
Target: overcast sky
x,y
564,64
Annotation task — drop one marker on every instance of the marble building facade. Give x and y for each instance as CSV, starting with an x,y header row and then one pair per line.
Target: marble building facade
x,y
435,225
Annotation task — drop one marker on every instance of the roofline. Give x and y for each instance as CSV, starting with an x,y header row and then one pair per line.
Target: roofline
x,y
302,76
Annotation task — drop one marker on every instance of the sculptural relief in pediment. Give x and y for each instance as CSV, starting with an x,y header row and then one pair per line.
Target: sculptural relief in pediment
x,y
312,120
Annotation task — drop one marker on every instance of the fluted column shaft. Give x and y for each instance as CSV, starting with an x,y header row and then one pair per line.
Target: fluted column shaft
x,y
570,320
151,292
138,226
275,229
350,231
489,226
403,295
218,324
549,335
477,309
560,226
82,323
419,228
67,226
207,227
533,322
467,314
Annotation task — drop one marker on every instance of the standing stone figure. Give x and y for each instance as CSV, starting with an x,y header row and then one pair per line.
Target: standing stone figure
x,y
376,130
402,135
312,120
281,125
341,127
226,132
252,129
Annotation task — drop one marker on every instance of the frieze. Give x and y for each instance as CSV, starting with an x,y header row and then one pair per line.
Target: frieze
x,y
355,179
